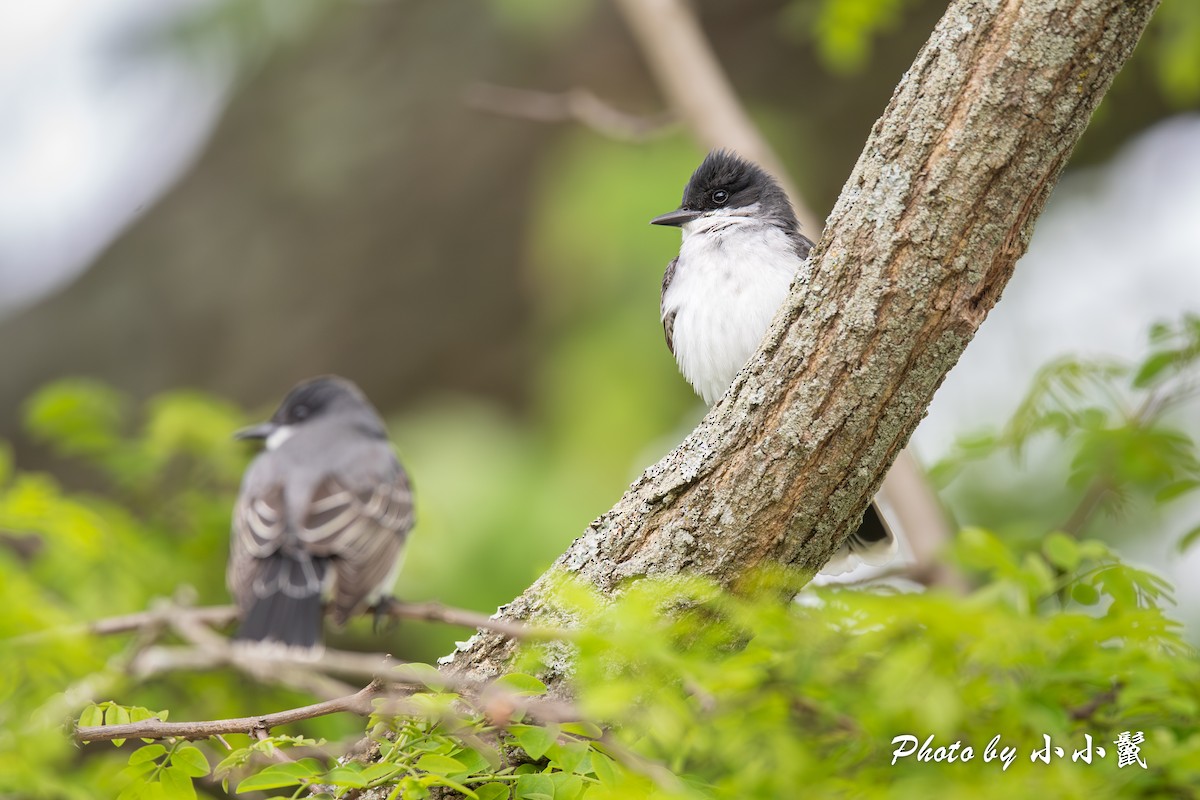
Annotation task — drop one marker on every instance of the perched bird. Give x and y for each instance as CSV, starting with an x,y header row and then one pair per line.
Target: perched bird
x,y
322,516
742,248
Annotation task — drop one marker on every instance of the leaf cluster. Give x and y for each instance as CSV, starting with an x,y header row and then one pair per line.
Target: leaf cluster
x,y
1115,424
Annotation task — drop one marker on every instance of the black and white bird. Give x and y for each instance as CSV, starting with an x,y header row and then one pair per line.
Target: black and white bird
x,y
742,248
322,517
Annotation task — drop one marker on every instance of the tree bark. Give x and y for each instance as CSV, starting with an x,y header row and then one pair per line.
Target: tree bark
x,y
917,250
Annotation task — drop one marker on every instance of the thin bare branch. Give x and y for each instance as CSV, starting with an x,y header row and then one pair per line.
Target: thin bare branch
x,y
385,694
573,105
436,612
185,618
26,546
357,703
216,616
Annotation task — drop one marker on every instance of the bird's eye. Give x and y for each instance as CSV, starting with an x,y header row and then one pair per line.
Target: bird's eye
x,y
720,197
300,413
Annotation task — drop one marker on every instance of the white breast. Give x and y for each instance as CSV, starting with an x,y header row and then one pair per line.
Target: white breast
x,y
728,283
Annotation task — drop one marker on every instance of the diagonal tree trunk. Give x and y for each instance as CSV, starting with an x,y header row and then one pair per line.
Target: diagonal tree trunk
x,y
917,250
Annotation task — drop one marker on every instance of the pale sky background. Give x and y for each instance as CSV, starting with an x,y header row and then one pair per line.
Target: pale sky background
x,y
88,139
90,133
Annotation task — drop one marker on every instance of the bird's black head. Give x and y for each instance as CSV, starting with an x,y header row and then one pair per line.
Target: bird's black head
x,y
725,181
318,398
315,397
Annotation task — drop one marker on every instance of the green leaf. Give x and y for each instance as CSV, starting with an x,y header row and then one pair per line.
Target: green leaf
x,y
92,716
116,715
1176,489
147,753
1189,539
383,771
278,776
602,768
134,771
422,673
177,785
141,790
235,759
440,765
566,786
188,759
1061,551
81,417
1152,367
568,755
345,776
588,729
492,791
1085,594
533,740
535,787
474,761
140,714
521,684
409,788
981,549
1093,550
1116,583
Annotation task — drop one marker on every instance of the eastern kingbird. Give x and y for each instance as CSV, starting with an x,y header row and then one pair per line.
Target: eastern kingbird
x,y
742,248
322,517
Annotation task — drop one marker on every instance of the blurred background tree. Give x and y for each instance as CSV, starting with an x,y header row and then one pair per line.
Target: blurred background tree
x,y
309,188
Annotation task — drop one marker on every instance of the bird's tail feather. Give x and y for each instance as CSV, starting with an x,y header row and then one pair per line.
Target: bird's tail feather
x,y
287,606
290,621
873,543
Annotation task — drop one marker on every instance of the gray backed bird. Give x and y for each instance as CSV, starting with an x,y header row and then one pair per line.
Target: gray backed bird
x,y
322,516
742,249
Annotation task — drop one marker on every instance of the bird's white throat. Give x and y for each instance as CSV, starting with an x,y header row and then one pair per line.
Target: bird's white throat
x,y
279,436
732,275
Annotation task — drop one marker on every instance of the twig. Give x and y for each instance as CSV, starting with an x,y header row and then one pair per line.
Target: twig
x,y
1102,485
489,697
174,615
578,105
1087,506
1088,709
25,545
357,703
296,673
216,616
922,524
436,612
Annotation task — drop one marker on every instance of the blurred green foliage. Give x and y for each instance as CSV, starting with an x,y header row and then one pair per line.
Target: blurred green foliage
x,y
1091,436
743,697
709,694
844,33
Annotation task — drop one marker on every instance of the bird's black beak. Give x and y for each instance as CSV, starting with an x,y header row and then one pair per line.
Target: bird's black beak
x,y
260,431
676,218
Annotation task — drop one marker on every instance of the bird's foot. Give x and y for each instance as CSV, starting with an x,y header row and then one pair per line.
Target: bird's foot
x,y
383,615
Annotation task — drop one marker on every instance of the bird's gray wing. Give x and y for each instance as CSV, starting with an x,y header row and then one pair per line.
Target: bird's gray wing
x,y
361,530
668,318
803,245
259,528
